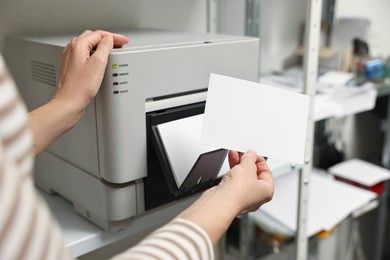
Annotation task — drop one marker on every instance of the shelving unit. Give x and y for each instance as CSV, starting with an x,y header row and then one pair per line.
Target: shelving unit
x,y
312,43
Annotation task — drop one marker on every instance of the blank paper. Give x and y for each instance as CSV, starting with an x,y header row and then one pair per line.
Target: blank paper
x,y
360,171
242,115
182,147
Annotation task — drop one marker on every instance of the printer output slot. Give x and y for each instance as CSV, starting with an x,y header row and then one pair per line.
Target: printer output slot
x,y
177,95
160,184
171,101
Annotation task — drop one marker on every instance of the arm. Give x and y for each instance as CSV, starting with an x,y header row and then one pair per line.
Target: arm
x,y
81,75
247,186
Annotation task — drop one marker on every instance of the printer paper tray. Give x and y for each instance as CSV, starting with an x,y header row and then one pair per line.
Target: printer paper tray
x,y
161,181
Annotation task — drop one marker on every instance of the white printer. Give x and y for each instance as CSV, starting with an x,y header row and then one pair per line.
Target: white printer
x,y
112,165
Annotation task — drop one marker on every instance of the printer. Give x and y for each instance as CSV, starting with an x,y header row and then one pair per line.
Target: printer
x,y
112,165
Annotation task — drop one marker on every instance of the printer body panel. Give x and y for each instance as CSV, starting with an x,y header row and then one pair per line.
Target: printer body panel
x,y
105,205
35,68
134,77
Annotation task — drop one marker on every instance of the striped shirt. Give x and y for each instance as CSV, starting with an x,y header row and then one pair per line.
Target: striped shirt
x,y
180,239
27,228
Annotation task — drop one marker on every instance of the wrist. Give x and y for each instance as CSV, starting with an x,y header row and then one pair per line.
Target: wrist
x,y
50,121
212,212
223,201
69,113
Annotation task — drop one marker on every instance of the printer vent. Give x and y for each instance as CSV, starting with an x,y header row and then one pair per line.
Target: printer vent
x,y
43,72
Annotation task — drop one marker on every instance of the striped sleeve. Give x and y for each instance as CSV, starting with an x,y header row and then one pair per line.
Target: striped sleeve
x,y
27,229
179,239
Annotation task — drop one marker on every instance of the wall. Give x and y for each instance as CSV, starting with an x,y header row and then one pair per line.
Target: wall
x,y
231,17
46,16
280,27
378,12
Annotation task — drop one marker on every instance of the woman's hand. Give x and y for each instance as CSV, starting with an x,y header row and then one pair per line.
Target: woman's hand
x,y
249,182
83,64
247,186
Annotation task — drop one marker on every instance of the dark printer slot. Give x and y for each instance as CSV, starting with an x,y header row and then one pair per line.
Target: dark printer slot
x,y
160,184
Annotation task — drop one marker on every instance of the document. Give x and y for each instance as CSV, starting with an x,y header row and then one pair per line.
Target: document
x,y
335,78
242,115
361,172
182,147
330,202
335,97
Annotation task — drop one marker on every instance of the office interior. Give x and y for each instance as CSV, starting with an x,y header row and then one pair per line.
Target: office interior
x,y
280,26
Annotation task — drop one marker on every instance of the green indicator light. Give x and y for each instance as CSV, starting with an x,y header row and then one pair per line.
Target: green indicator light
x,y
114,66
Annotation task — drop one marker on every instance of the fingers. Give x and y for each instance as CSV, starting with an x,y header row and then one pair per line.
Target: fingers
x,y
249,159
119,40
88,40
245,160
234,158
103,49
238,157
86,32
264,172
249,155
92,38
76,59
251,179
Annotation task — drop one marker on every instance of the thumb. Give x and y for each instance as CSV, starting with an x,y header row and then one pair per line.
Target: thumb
x,y
249,158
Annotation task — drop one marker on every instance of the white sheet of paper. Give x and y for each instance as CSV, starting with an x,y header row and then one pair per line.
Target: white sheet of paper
x,y
361,172
356,103
181,142
338,78
330,202
324,107
242,115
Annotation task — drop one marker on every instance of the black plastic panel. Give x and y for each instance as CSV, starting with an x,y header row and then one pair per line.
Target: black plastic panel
x,y
160,185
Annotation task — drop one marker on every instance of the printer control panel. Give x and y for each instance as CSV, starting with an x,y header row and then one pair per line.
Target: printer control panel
x,y
120,78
